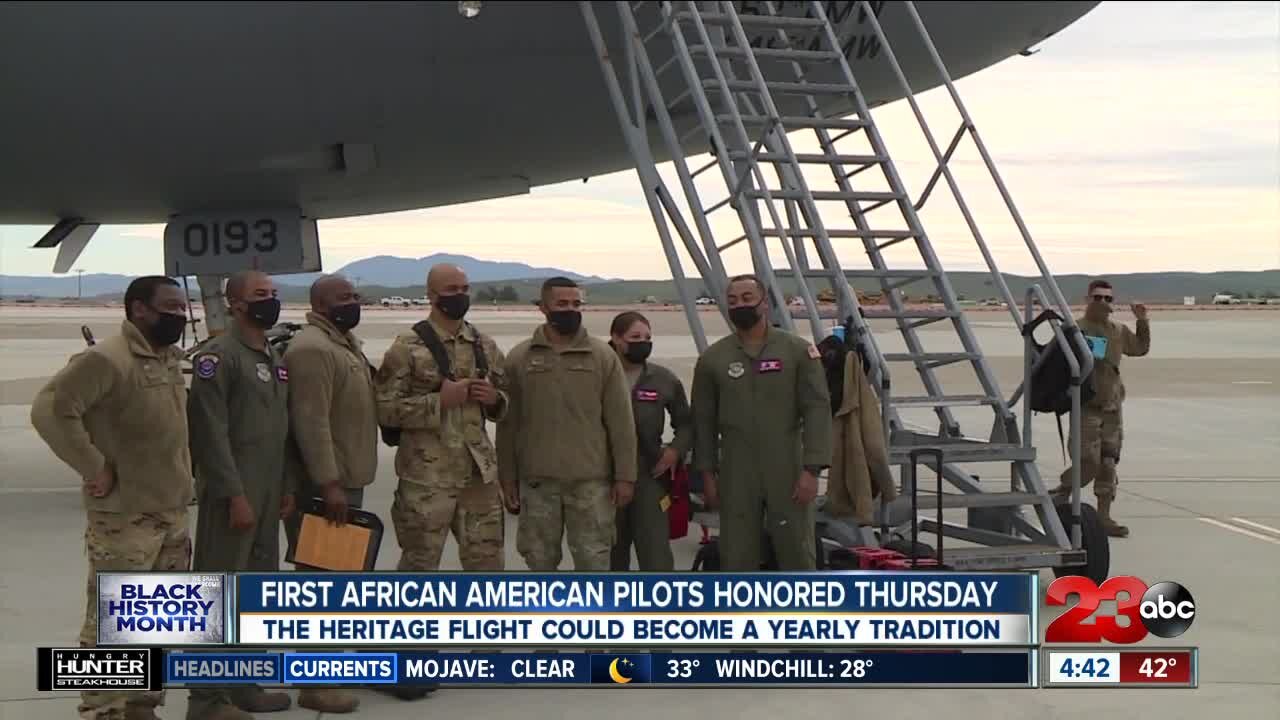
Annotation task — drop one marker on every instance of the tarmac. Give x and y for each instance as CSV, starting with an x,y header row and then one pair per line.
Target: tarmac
x,y
1199,489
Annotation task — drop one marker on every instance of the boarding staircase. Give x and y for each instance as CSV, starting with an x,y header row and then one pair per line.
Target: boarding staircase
x,y
688,77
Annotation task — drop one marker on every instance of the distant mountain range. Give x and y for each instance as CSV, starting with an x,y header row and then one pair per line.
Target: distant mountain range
x,y
379,271
383,275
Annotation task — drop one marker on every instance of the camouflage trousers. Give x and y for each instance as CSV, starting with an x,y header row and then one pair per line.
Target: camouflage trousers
x,y
1101,437
124,542
551,508
424,516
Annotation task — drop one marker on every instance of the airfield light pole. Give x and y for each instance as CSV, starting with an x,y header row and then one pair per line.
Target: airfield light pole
x,y
79,276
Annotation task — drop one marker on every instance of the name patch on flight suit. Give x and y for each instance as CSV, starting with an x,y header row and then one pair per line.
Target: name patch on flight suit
x,y
206,366
282,374
264,372
644,395
768,366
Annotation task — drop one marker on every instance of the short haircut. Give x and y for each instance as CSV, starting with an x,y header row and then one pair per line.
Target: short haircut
x,y
752,278
316,294
236,283
558,281
623,322
1099,283
143,290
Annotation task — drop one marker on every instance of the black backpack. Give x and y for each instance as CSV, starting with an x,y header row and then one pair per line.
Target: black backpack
x,y
1051,383
834,351
426,333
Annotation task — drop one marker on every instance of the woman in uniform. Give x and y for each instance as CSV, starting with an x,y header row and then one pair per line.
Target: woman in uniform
x,y
656,392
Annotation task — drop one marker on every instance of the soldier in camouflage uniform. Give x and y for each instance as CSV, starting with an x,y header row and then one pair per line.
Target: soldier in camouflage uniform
x,y
1102,423
117,414
446,463
238,413
567,447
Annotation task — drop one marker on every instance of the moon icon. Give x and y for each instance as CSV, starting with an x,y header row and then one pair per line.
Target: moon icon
x,y
617,676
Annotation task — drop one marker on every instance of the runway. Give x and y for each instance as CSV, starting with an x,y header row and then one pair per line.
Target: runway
x,y
1199,489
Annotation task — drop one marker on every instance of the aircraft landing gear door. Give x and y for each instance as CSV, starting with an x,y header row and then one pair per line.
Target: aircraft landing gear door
x,y
213,245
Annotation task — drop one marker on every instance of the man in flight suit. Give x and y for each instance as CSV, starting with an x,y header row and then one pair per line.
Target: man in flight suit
x,y
1102,422
117,414
567,447
238,414
762,434
447,465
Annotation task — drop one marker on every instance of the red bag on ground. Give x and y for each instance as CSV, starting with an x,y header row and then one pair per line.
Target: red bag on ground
x,y
678,512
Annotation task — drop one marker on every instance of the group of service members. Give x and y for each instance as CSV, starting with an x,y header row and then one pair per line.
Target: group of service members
x,y
580,448
579,451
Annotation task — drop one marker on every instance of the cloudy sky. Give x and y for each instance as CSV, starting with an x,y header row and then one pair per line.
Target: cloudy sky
x,y
1144,137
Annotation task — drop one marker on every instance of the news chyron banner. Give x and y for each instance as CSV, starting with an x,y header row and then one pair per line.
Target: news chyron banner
x,y
655,610
769,629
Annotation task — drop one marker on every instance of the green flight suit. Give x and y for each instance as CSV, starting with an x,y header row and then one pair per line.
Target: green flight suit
x,y
238,413
643,522
759,420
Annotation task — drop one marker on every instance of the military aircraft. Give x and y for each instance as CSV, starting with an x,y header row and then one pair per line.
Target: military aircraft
x,y
131,112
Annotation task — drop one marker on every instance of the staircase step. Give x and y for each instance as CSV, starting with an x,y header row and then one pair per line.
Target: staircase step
x,y
884,312
772,21
928,500
924,401
1010,557
772,53
825,273
779,194
787,88
809,158
957,450
934,359
856,234
790,123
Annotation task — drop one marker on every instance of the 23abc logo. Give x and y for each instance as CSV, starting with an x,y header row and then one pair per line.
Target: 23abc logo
x,y
1165,609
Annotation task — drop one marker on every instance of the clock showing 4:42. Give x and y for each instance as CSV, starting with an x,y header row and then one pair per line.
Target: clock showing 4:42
x,y
1084,667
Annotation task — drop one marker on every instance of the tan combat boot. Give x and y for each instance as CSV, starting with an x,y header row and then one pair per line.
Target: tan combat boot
x,y
140,712
257,700
328,700
1112,528
226,711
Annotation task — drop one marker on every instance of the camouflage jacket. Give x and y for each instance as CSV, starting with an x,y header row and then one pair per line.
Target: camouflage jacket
x,y
1110,341
439,448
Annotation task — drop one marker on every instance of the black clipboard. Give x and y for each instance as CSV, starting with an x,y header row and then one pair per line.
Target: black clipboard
x,y
322,546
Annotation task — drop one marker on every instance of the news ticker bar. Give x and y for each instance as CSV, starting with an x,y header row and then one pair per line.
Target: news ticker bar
x,y
153,668
157,668
1106,667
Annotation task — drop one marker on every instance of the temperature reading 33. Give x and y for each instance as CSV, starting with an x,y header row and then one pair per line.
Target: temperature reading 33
x,y
682,668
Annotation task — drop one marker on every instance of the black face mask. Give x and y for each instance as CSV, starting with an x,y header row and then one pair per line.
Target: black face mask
x,y
454,306
167,329
345,317
566,322
264,313
744,317
638,352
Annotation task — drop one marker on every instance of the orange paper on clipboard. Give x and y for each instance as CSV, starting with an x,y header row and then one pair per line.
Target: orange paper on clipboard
x,y
330,547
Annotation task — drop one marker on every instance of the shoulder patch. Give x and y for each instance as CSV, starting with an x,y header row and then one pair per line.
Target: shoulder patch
x,y
206,366
814,354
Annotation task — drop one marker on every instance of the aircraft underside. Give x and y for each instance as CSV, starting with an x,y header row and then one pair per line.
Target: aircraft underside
x,y
340,109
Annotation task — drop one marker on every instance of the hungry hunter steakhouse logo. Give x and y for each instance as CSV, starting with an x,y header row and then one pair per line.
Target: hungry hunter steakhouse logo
x,y
101,669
